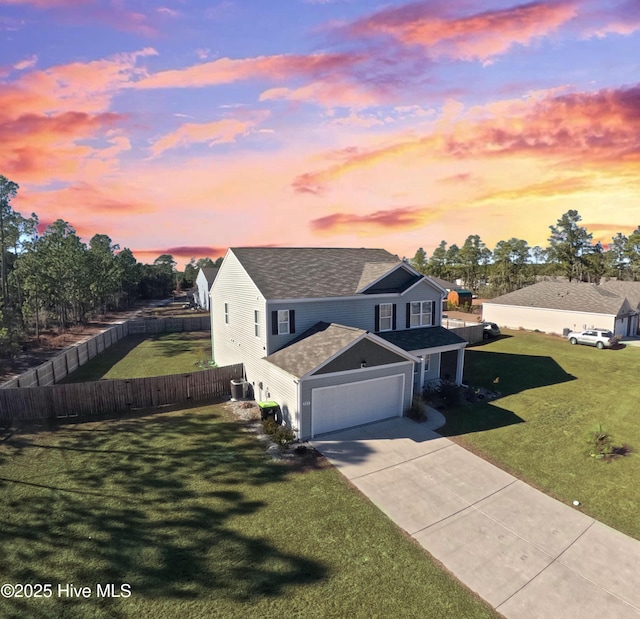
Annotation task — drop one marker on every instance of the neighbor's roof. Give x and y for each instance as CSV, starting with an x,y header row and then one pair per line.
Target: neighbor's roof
x,y
313,272
571,296
443,283
630,290
425,337
210,274
313,347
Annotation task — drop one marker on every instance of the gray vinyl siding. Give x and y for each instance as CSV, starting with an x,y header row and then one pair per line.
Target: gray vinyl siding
x,y
365,351
277,385
236,341
352,312
327,380
203,290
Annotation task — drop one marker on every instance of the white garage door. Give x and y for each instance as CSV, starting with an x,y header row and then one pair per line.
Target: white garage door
x,y
344,406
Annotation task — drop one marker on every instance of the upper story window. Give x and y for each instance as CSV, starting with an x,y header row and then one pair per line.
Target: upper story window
x,y
420,314
283,322
226,313
256,322
386,317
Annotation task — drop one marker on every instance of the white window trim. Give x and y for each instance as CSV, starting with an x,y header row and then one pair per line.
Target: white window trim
x,y
389,317
256,322
286,322
422,322
226,313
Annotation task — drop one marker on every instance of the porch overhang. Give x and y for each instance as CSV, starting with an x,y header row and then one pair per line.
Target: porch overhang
x,y
427,341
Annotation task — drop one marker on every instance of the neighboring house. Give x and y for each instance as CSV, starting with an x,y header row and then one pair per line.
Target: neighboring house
x,y
204,281
554,306
337,337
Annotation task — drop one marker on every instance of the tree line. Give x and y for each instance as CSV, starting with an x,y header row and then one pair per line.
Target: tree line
x,y
53,279
513,263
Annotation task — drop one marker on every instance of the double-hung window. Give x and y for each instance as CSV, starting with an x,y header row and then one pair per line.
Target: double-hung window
x,y
256,322
283,322
386,316
420,314
226,313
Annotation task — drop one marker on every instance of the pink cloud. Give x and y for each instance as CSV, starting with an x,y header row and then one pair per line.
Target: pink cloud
x,y
477,36
184,252
227,70
398,218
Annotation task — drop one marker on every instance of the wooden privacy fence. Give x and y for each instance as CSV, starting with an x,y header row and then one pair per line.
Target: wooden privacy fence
x,y
54,370
106,397
169,325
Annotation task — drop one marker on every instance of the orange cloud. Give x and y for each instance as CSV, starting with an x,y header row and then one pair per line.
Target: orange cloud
x,y
580,128
398,218
478,36
227,70
217,132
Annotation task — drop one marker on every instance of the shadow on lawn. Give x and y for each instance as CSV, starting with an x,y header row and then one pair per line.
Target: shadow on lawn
x,y
146,501
507,374
511,373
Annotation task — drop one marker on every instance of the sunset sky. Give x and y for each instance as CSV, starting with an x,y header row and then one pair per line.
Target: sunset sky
x,y
186,127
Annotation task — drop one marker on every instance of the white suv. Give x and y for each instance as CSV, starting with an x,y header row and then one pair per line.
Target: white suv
x,y
600,338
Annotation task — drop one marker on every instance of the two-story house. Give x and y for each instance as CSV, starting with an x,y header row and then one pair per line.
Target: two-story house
x,y
338,337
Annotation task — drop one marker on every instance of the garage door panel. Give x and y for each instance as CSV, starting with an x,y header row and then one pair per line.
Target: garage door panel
x,y
352,404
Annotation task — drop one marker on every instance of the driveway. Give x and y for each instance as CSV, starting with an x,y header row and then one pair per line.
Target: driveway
x,y
525,553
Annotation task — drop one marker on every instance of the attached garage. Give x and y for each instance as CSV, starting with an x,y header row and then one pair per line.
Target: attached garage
x,y
353,404
342,377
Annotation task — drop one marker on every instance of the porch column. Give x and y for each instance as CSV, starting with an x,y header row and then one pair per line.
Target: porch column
x,y
421,379
460,366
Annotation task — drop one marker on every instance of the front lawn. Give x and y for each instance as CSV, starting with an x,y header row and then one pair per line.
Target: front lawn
x,y
187,509
554,395
139,356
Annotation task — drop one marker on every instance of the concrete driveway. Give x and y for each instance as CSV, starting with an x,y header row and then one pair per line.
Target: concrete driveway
x,y
525,553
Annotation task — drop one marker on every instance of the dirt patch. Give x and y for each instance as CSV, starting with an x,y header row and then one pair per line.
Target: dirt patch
x,y
36,351
299,457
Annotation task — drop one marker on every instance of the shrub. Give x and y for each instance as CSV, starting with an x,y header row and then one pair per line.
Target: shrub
x,y
601,446
281,435
418,410
450,393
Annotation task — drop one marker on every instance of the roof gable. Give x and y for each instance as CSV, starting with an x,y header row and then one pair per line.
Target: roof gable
x,y
307,273
329,347
380,278
209,273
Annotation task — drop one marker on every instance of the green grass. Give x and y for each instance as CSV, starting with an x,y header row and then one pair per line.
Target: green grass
x,y
554,394
187,509
150,355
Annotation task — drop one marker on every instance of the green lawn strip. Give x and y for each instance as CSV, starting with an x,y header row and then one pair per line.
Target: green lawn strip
x,y
151,355
554,395
188,509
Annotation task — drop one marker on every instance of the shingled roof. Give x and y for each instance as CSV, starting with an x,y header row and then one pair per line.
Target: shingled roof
x,y
314,347
571,296
313,272
210,273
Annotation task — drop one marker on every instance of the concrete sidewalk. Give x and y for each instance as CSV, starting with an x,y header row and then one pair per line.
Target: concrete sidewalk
x,y
525,553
